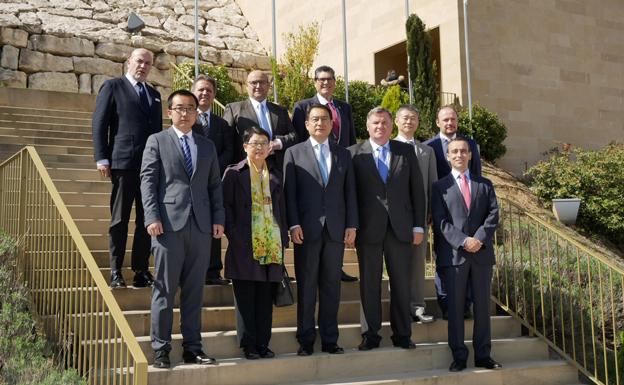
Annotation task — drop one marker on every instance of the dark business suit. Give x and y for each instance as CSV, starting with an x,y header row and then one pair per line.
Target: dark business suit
x,y
323,212
187,207
444,168
347,128
388,212
224,140
252,282
452,223
241,116
121,126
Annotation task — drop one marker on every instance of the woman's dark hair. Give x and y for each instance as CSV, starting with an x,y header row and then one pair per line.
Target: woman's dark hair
x,y
254,130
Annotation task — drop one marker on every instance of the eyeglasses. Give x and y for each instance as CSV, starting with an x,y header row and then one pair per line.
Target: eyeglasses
x,y
258,144
322,119
255,83
323,80
185,110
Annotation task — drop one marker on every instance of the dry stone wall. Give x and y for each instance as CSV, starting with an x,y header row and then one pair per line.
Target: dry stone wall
x,y
75,45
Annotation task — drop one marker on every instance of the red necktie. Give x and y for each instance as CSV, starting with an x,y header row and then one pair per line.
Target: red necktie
x,y
335,120
465,190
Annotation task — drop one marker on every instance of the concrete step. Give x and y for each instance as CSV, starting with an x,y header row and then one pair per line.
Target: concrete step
x,y
76,174
6,129
44,141
292,369
88,199
50,149
43,125
103,186
42,116
283,339
11,110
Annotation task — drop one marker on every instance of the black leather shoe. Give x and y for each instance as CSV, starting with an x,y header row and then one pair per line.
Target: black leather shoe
x,y
265,352
368,344
458,366
488,363
333,349
347,278
251,354
197,358
143,278
161,360
445,315
217,281
305,350
117,280
405,344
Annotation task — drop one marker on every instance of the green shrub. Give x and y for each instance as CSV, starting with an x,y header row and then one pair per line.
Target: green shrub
x,y
226,92
392,100
487,129
25,359
363,97
594,176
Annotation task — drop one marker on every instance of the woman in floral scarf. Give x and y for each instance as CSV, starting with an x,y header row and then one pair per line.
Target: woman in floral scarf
x,y
255,225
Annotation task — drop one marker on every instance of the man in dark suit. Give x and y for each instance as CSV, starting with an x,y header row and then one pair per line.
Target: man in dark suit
x,y
258,111
342,127
216,129
322,216
127,111
181,190
465,216
446,120
391,218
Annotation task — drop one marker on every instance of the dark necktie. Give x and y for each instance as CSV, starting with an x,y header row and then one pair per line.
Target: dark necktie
x,y
188,161
143,96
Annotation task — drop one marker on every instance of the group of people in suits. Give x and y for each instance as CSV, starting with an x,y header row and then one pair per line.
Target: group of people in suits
x,y
262,179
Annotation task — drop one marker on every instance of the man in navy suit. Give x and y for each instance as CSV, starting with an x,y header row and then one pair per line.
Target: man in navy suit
x,y
446,121
342,127
216,129
465,216
322,215
127,111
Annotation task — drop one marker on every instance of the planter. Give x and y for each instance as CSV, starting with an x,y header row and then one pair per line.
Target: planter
x,y
566,209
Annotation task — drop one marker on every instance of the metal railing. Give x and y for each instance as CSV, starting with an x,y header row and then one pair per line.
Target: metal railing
x,y
561,291
69,293
217,108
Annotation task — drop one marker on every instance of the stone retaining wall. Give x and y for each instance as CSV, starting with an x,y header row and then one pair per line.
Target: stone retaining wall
x,y
75,45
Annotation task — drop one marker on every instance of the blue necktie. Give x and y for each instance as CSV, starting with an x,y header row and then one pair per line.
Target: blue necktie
x,y
204,119
263,120
381,164
323,164
188,161
143,96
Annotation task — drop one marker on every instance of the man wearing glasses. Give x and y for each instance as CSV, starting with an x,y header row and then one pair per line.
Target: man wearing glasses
x,y
342,127
258,111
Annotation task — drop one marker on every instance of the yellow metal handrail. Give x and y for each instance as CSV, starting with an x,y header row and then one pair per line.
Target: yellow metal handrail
x,y
68,290
217,107
561,291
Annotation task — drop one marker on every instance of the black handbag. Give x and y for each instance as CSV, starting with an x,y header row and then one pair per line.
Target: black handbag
x,y
283,295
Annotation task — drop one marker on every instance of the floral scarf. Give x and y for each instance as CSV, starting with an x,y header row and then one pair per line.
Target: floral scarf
x,y
265,233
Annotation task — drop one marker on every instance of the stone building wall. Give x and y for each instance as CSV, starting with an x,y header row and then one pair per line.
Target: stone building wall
x,y
75,45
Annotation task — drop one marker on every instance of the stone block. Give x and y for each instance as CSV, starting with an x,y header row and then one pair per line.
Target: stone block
x,y
96,83
14,79
151,43
15,37
9,57
30,23
160,77
244,45
181,49
33,61
9,20
162,61
97,66
227,16
84,83
62,46
53,81
112,51
214,28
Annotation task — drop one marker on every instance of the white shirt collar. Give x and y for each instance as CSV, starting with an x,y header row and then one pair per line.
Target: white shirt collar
x,y
256,104
375,145
132,80
314,142
456,174
321,99
179,133
203,112
449,138
403,139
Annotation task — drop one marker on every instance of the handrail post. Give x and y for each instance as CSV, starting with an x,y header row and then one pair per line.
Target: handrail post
x,y
21,213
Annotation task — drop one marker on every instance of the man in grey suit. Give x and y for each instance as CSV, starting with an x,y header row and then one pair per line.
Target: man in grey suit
x,y
391,205
259,112
465,216
181,191
407,122
322,216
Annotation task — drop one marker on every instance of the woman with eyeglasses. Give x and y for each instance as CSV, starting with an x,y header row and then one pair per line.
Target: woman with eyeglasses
x,y
255,225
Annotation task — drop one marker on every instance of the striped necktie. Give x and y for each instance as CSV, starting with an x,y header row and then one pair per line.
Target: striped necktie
x,y
186,151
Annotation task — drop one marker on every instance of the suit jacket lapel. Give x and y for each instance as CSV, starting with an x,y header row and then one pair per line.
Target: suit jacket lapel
x,y
245,181
250,112
273,116
175,142
369,158
394,160
311,155
474,190
133,94
455,194
334,159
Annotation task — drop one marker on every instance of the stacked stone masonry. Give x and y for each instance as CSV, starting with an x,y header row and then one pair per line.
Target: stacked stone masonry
x,y
75,45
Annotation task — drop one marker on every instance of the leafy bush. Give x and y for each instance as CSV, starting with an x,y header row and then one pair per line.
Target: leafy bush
x,y
363,97
226,92
392,100
24,355
594,176
487,129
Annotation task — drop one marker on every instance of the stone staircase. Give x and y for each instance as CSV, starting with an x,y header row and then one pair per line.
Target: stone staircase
x,y
58,125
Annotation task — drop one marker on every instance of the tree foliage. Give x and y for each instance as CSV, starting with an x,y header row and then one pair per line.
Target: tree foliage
x,y
392,100
226,91
424,75
292,74
594,176
486,128
363,97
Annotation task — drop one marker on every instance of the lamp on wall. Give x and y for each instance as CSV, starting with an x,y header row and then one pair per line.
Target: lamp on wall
x,y
135,23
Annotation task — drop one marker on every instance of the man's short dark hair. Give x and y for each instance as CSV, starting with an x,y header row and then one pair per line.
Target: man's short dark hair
x,y
320,69
205,78
317,105
181,93
254,130
459,138
408,107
